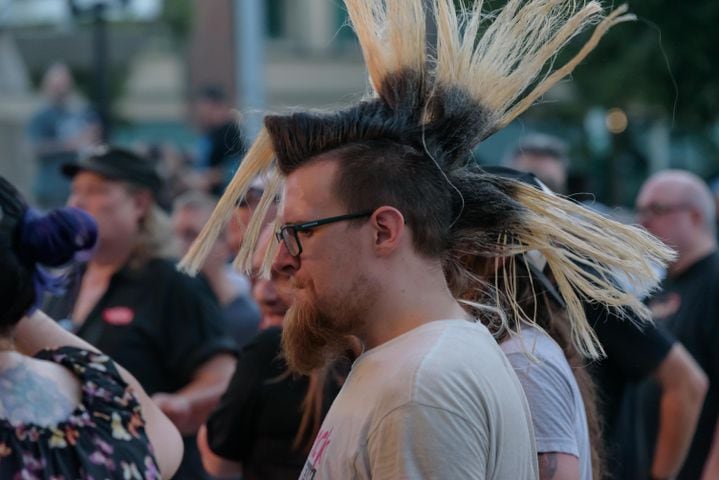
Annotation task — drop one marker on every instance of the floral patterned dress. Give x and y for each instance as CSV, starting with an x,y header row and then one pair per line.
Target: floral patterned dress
x,y
103,438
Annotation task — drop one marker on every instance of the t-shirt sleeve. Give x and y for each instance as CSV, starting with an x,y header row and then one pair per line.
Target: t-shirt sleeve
x,y
419,441
712,318
193,328
231,427
635,350
551,402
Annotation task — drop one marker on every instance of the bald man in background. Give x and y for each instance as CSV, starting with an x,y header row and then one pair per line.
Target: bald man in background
x,y
678,207
633,353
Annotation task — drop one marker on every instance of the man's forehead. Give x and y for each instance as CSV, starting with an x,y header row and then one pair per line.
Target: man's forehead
x,y
308,190
661,190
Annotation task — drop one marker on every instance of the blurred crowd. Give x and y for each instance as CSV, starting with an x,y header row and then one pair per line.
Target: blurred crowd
x,y
206,349
64,127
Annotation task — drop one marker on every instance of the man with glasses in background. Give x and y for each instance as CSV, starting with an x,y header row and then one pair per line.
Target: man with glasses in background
x,y
634,351
677,207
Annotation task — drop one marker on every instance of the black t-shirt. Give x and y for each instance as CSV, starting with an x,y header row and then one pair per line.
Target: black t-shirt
x,y
634,351
241,317
688,306
259,414
158,323
153,320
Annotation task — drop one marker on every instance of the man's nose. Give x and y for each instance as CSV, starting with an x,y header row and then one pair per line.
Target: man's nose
x,y
284,262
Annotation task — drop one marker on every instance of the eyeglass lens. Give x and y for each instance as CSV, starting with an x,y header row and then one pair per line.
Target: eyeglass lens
x,y
289,237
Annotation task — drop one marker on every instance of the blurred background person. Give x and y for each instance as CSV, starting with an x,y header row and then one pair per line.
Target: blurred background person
x,y
66,410
267,419
545,156
57,131
130,301
221,144
677,206
237,225
633,352
240,313
560,392
175,167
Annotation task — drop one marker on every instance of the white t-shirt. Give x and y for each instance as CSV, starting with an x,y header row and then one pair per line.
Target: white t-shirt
x,y
558,415
440,401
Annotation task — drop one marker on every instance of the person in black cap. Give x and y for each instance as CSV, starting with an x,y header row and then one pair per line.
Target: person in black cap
x,y
131,302
66,409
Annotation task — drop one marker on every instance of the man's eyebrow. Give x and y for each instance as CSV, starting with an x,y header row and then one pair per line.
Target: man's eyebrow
x,y
300,222
295,222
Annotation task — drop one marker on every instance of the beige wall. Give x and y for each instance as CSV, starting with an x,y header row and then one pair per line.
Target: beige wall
x,y
212,52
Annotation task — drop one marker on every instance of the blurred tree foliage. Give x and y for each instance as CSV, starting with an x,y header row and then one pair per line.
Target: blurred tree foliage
x,y
661,70
637,63
177,15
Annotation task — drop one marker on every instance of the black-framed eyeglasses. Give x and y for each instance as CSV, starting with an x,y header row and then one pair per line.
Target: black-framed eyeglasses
x,y
289,233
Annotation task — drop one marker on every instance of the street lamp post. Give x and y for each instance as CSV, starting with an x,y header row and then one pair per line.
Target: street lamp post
x,y
97,11
100,62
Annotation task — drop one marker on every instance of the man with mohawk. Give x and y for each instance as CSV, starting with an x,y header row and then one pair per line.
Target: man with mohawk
x,y
369,223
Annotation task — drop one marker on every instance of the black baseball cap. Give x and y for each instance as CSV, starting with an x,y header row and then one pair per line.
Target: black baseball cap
x,y
116,163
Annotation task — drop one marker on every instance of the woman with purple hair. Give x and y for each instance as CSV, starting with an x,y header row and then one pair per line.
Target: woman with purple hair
x,y
66,412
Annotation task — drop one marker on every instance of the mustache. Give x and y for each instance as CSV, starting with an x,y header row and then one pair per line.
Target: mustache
x,y
296,284
289,291
318,329
312,339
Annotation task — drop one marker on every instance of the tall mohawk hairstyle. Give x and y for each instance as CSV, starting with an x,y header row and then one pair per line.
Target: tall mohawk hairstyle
x,y
441,101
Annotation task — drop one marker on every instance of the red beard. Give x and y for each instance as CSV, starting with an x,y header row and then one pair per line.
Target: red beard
x,y
313,336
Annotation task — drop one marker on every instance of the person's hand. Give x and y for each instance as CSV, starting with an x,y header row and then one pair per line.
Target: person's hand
x,y
178,409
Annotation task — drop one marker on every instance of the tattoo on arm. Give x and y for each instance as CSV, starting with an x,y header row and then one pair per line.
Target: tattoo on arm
x,y
27,397
547,465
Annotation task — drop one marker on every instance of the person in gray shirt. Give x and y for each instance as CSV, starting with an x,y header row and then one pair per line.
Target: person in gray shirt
x,y
559,390
561,429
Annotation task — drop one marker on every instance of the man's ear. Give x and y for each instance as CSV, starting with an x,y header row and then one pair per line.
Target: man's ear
x,y
389,229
